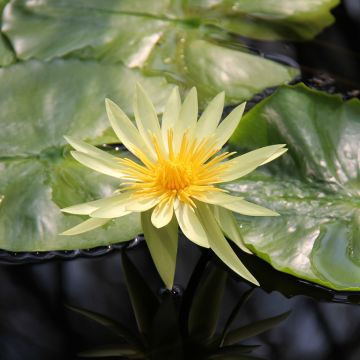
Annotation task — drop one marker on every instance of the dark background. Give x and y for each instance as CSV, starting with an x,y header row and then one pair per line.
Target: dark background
x,y
34,323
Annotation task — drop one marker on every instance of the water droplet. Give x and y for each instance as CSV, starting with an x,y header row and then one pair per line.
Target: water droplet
x,y
167,60
291,229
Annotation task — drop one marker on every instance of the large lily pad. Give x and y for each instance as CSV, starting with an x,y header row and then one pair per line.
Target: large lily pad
x,y
40,103
6,54
158,37
267,19
315,187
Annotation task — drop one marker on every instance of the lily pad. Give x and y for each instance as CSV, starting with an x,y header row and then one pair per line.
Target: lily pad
x,y
157,37
6,55
42,102
268,19
315,187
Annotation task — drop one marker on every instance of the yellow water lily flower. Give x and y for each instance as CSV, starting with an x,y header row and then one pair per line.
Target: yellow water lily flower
x,y
175,181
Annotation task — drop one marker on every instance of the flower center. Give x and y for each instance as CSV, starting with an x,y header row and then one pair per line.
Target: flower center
x,y
173,175
184,173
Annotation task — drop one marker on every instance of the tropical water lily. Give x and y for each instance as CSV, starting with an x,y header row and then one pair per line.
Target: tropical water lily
x,y
174,180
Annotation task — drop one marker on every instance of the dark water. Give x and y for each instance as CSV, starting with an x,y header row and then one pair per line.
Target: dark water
x,y
34,324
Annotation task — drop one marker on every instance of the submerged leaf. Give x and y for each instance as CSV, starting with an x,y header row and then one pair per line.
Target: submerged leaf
x,y
116,350
253,329
165,337
143,300
115,327
206,305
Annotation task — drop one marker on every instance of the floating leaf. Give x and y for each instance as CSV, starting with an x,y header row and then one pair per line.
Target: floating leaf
x,y
40,103
160,37
267,19
315,187
6,55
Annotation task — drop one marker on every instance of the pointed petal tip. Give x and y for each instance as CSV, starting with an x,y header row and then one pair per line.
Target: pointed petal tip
x,y
108,102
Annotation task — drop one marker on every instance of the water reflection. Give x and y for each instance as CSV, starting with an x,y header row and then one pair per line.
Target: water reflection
x,y
34,324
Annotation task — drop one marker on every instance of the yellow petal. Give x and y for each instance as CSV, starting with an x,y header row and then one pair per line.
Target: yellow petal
x,y
219,244
190,225
89,207
90,150
229,227
235,203
187,118
146,119
85,226
163,245
171,113
113,208
210,118
162,214
244,164
275,156
142,204
247,208
125,130
97,164
228,125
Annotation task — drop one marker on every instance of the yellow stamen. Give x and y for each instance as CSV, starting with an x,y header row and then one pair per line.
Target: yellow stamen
x,y
180,175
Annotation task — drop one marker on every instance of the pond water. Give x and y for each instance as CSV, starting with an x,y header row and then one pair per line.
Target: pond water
x,y
323,324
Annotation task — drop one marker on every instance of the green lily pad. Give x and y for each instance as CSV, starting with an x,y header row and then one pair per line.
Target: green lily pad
x,y
315,186
157,37
42,102
267,19
6,55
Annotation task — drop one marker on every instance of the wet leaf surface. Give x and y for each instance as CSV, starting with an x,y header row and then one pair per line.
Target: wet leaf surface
x,y
315,187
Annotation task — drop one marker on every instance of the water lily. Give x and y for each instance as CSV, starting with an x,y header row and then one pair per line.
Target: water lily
x,y
175,180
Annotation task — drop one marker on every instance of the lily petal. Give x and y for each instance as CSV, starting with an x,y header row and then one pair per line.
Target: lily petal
x,y
146,119
187,118
162,214
163,245
142,204
228,125
229,227
235,203
90,150
85,226
219,244
113,208
124,128
244,164
171,113
211,116
190,225
100,165
89,207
